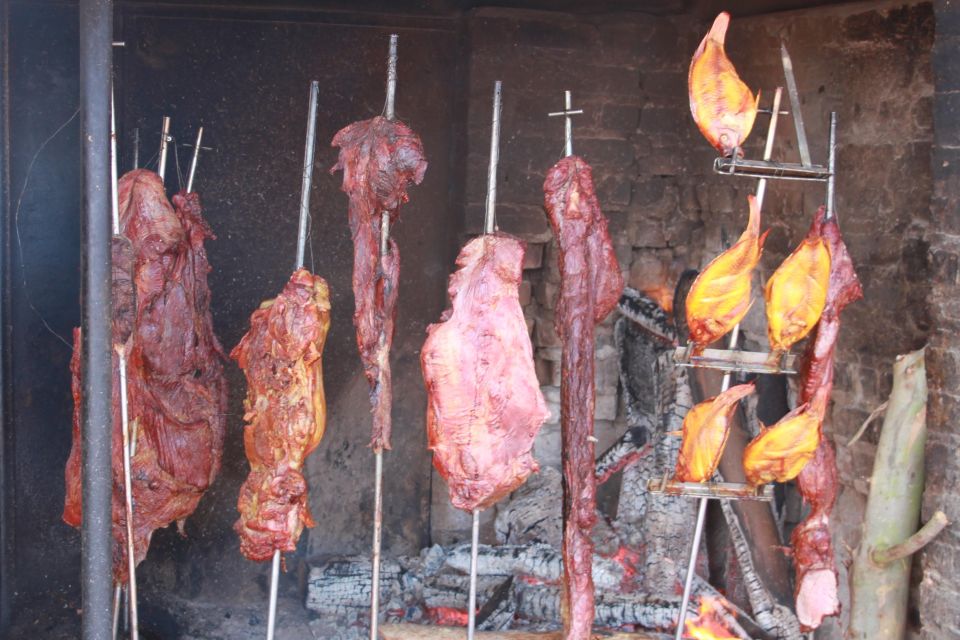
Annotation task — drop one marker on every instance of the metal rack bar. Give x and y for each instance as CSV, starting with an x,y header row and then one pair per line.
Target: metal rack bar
x,y
714,490
770,170
737,361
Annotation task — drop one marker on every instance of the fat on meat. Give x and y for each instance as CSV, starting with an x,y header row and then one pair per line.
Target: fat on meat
x,y
379,159
816,586
176,389
484,405
285,412
590,286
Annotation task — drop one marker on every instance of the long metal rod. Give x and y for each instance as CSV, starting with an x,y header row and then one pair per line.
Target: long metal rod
x,y
96,35
274,580
832,165
308,155
490,217
117,596
164,140
389,112
124,406
193,160
567,124
136,148
724,385
474,553
691,567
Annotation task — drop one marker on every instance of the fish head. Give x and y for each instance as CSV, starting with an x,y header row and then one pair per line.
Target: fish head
x,y
728,142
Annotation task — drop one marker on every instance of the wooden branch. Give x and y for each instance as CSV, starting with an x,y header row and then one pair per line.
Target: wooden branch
x,y
883,556
878,592
420,632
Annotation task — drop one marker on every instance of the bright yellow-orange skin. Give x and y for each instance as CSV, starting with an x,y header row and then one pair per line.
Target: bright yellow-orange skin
x,y
705,430
723,106
796,294
782,451
720,296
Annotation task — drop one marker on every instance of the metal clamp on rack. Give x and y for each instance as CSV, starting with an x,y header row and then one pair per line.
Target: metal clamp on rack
x,y
732,360
714,490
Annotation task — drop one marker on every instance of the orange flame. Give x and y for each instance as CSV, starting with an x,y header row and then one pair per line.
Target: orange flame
x,y
707,625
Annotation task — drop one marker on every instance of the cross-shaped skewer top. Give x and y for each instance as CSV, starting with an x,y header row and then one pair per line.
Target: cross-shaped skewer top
x,y
568,111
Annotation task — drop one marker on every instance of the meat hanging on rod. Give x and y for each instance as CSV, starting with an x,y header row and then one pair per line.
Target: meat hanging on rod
x,y
285,413
720,296
705,430
590,286
816,587
484,405
722,105
176,389
379,159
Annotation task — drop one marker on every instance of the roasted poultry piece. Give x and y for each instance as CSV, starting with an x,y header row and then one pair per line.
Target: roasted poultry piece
x,y
380,158
705,431
722,105
797,292
484,405
285,412
780,452
720,296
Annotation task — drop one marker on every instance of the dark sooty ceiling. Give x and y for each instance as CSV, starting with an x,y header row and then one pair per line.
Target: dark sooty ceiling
x,y
452,7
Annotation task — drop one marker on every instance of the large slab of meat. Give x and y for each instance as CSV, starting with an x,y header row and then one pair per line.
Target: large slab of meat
x,y
285,412
816,587
379,159
177,392
484,404
590,285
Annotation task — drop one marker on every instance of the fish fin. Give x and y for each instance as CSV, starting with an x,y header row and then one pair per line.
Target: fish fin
x,y
763,237
753,223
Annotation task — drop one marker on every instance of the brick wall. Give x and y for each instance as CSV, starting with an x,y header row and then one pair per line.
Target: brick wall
x,y
939,590
668,211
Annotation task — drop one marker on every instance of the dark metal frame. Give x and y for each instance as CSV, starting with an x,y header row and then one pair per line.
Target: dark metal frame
x,y
96,36
6,430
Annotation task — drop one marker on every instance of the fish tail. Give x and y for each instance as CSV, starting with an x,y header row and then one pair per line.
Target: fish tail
x,y
718,32
753,224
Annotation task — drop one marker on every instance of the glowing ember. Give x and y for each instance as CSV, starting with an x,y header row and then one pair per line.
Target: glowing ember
x,y
662,295
447,616
707,625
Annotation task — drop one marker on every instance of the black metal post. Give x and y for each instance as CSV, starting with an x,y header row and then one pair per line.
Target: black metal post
x,y
6,429
96,36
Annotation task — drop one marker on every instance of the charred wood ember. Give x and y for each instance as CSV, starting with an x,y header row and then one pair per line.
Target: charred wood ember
x,y
176,388
656,396
720,296
379,159
285,412
484,405
816,589
590,285
722,105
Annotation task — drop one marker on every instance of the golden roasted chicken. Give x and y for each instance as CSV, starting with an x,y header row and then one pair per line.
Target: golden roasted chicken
x,y
723,106
797,292
705,431
782,451
720,296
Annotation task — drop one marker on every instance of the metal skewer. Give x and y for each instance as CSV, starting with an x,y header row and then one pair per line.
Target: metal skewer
x,y
724,385
489,226
193,161
389,112
831,162
164,139
568,111
120,348
308,156
136,148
